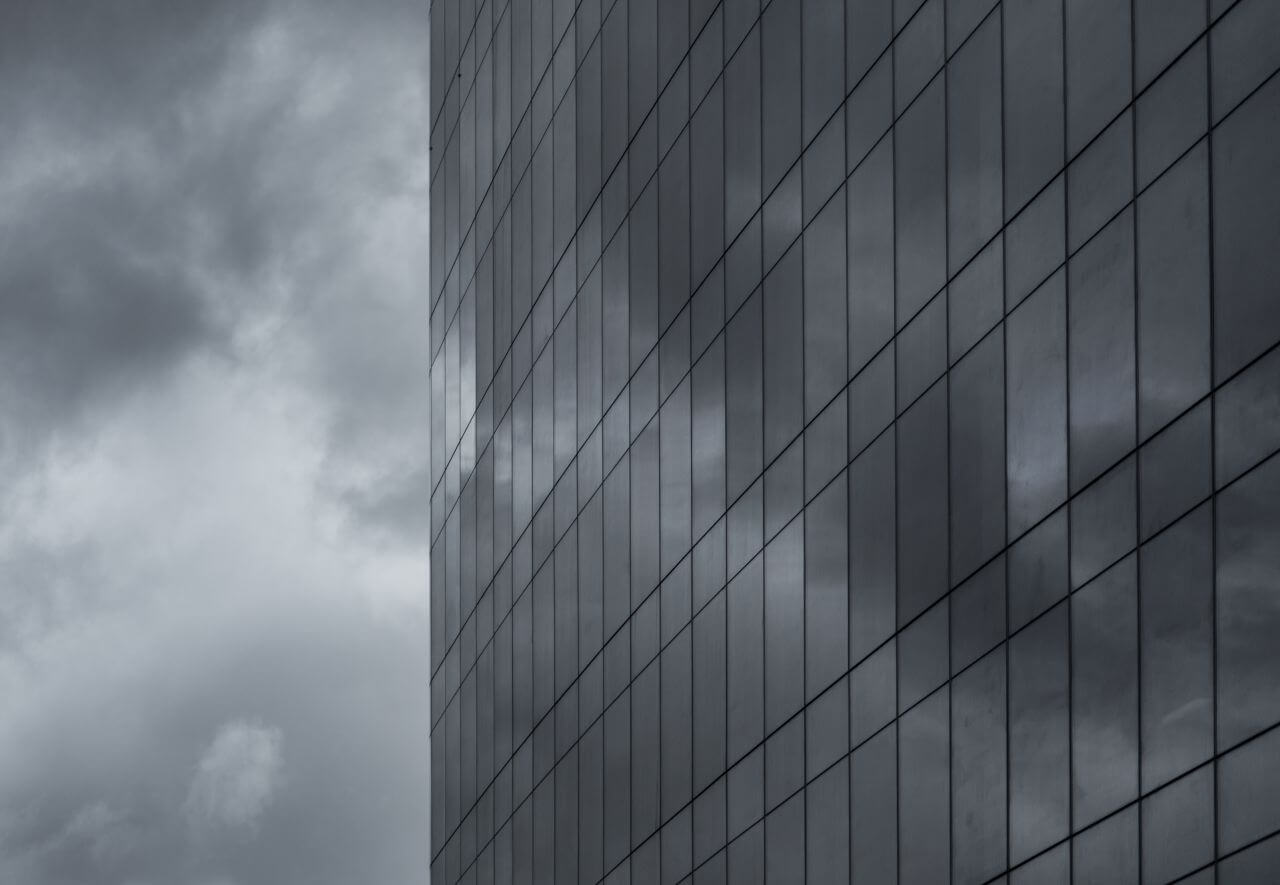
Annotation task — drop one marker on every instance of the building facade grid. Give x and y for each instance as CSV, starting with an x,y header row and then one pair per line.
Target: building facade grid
x,y
854,441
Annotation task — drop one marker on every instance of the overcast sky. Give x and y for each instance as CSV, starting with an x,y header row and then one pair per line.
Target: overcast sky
x,y
213,432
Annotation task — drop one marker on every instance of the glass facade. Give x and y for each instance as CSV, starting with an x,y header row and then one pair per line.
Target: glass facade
x,y
854,431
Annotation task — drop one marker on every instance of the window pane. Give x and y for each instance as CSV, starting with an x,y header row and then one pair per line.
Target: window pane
x,y
566,602
826,451
872,560
1036,242
780,75
1039,747
591,804
977,456
1036,391
1099,67
745,397
642,76
784,624
975,300
1249,792
673,226
1104,694
1177,647
1173,292
873,771
784,354
1247,418
1177,827
1172,115
784,488
643,315
1162,29
826,729
917,52
677,724
1246,217
922,655
978,614
675,476
644,514
1241,60
617,784
922,503
873,693
709,692
746,792
826,588
706,199
920,201
1101,335
784,762
924,815
617,548
823,62
645,754
708,429
824,306
827,830
871,266
742,134
1100,181
921,348
617,307
1107,853
1176,469
978,770
1104,522
974,145
1248,571
869,112
746,857
746,659
1033,83
784,843
868,29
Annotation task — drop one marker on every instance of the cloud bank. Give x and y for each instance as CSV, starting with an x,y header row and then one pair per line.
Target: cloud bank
x,y
213,421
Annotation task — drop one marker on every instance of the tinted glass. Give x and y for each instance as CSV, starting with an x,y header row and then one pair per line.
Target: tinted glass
x,y
920,200
1033,81
1247,564
974,144
977,456
826,588
1101,358
978,770
922,503
1173,292
1246,212
1036,405
854,430
1104,694
1176,598
924,814
1039,742
874,809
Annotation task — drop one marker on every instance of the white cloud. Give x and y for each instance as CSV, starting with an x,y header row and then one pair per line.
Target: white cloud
x,y
236,779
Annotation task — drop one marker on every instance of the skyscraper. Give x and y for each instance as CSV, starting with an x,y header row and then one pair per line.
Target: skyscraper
x,y
854,430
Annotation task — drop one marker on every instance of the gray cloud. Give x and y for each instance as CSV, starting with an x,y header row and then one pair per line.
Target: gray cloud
x,y
235,780
213,428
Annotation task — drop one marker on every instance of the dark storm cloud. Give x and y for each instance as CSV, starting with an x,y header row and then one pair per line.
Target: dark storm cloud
x,y
213,433
93,300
